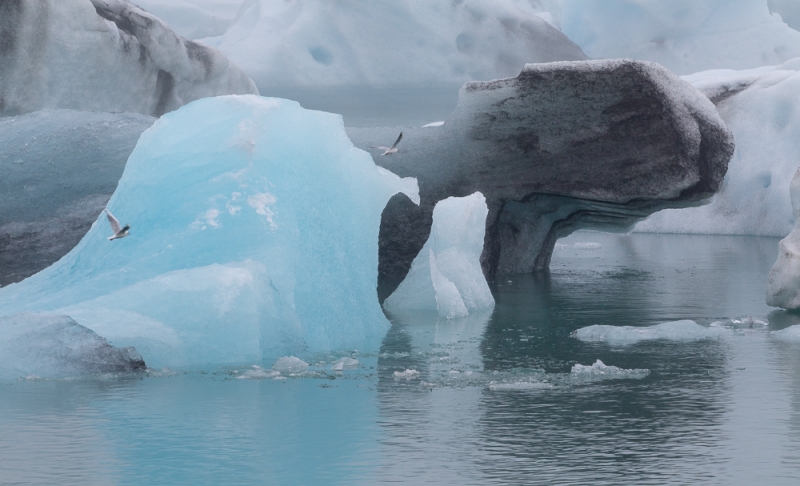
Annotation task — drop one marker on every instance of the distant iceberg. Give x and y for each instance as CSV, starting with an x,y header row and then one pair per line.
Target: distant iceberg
x,y
446,275
686,36
254,235
759,106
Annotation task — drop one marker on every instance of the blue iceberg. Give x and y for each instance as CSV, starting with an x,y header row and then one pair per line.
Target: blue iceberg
x,y
254,235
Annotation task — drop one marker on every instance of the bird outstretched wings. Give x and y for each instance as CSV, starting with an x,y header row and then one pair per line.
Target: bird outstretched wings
x,y
115,226
389,150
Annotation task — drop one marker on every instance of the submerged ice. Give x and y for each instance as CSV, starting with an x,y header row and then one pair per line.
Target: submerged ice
x,y
446,275
254,234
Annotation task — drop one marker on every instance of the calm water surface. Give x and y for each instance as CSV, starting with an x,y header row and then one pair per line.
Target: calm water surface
x,y
492,400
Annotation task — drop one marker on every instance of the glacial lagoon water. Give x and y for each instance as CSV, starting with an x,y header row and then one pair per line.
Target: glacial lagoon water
x,y
491,398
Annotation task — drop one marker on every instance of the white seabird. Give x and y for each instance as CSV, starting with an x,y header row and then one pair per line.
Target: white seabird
x,y
389,150
119,232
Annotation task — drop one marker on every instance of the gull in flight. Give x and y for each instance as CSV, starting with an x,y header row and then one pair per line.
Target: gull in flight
x,y
389,150
119,232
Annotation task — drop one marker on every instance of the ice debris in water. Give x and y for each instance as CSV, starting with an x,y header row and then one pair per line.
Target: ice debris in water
x,y
600,371
683,330
446,275
55,346
258,373
405,375
289,364
746,322
256,236
344,363
520,386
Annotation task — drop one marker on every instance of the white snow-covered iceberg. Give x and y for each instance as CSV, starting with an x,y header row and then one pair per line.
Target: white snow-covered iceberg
x,y
783,281
446,275
762,108
683,330
686,36
314,43
254,235
103,55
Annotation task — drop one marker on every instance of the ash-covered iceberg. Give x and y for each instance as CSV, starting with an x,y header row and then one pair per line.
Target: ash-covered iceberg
x,y
783,281
760,106
53,346
446,275
254,234
59,168
314,43
103,55
686,36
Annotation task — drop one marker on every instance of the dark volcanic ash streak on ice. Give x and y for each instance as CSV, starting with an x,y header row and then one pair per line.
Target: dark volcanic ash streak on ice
x,y
563,146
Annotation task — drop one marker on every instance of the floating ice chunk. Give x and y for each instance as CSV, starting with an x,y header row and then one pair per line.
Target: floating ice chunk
x,y
790,334
405,375
783,281
344,363
446,275
683,330
289,364
433,124
54,346
298,278
747,322
600,371
520,386
258,373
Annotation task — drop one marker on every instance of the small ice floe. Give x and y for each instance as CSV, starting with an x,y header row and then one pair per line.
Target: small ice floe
x,y
258,373
344,364
747,322
600,371
791,334
520,386
289,364
580,245
433,124
683,330
405,375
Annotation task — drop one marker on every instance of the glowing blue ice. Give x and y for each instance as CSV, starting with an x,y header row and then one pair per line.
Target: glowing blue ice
x,y
254,234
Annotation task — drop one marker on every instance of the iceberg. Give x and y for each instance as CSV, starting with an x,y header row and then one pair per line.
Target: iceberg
x,y
758,105
790,335
59,168
254,235
686,36
55,346
783,281
446,275
318,43
560,147
683,330
104,55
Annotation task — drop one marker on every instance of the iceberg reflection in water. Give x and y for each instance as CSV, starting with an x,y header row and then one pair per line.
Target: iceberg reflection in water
x,y
494,399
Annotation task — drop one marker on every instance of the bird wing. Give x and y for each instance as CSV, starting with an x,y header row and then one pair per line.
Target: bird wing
x,y
115,227
381,147
398,140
